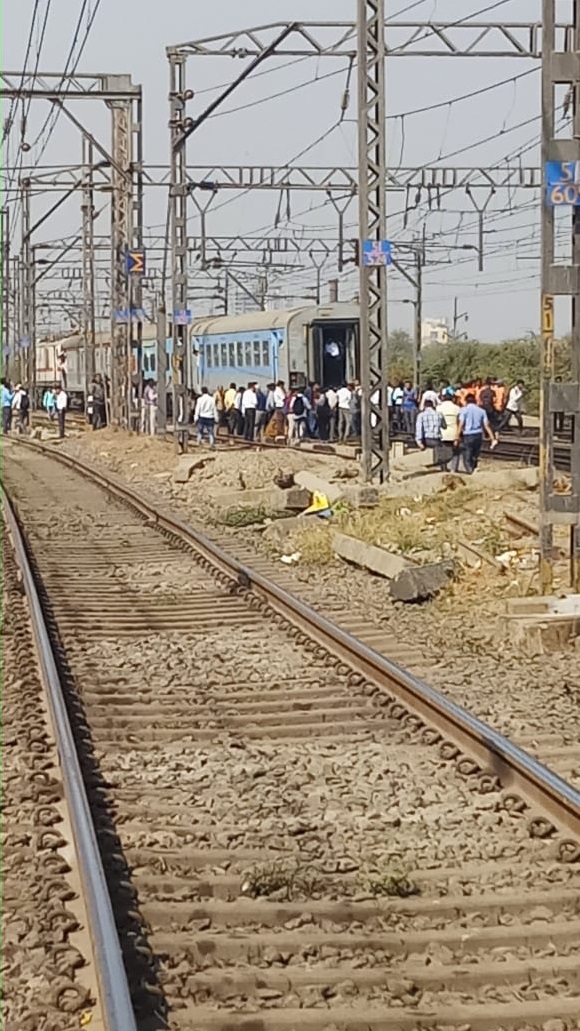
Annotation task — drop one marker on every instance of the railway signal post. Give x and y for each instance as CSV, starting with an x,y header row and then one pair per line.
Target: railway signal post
x,y
561,165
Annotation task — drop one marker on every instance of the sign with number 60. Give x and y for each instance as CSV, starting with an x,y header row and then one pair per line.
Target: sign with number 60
x,y
563,183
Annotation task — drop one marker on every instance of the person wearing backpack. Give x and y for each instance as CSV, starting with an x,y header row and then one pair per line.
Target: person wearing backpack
x,y
300,409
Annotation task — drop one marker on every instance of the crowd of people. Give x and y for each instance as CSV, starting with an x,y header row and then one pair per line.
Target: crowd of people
x,y
335,415
16,407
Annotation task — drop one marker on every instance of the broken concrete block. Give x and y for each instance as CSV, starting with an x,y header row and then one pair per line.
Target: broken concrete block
x,y
296,499
544,625
368,556
417,583
311,482
361,497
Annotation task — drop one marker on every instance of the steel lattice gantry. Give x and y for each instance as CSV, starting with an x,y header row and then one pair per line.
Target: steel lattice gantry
x,y
125,159
559,68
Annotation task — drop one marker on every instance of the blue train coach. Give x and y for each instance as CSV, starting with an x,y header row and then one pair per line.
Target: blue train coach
x,y
315,343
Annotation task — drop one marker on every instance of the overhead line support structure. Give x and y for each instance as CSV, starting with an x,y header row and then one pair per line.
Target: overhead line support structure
x,y
124,99
560,67
5,333
370,40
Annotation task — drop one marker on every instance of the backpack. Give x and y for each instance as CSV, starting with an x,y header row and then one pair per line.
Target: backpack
x,y
24,403
298,407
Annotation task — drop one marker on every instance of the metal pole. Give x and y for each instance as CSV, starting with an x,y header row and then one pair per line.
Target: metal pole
x,y
558,279
178,206
418,323
88,213
372,226
136,285
26,342
161,370
120,243
6,281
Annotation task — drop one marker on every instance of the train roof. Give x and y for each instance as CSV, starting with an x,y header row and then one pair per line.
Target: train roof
x,y
74,340
276,318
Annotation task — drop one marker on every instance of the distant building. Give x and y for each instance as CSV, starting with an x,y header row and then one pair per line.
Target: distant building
x,y
434,331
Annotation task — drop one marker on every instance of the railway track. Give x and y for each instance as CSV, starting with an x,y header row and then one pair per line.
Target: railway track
x,y
295,832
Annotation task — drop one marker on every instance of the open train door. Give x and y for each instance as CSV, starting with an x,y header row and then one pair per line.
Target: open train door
x,y
335,352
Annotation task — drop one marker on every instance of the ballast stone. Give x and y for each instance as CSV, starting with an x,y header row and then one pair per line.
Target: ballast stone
x,y
417,583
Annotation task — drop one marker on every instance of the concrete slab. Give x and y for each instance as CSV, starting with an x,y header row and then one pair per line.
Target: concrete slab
x,y
368,556
417,583
311,482
544,625
493,479
273,499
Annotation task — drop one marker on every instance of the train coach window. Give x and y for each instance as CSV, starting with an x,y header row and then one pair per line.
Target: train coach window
x,y
145,363
224,355
240,354
208,360
232,355
152,362
265,353
257,354
216,354
248,354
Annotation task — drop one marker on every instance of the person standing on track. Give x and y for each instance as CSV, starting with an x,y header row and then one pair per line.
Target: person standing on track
x,y
99,403
344,396
428,430
230,411
20,407
150,408
514,406
472,424
249,408
7,395
49,403
205,417
279,404
61,406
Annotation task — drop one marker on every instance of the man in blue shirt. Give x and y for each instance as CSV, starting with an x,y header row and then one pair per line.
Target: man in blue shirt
x,y
7,396
472,424
409,407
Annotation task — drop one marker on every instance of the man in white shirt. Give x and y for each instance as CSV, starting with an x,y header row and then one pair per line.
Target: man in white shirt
x,y
332,398
514,406
205,417
343,397
61,405
429,394
249,405
449,412
279,402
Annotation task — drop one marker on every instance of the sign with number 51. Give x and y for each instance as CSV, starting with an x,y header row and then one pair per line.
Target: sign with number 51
x,y
563,183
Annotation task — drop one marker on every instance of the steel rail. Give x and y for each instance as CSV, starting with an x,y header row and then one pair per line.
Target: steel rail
x,y
114,996
508,762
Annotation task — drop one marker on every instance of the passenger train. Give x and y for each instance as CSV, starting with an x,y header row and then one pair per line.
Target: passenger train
x,y
297,345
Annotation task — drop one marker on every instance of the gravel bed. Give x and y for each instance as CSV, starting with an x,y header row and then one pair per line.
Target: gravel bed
x,y
469,655
333,817
42,966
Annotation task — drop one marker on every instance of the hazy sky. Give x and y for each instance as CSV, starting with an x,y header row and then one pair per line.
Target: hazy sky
x,y
128,37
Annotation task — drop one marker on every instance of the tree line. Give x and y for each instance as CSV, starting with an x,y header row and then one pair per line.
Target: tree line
x,y
463,360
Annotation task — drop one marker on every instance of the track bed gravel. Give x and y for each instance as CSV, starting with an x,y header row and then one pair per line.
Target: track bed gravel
x,y
46,983
295,858
458,643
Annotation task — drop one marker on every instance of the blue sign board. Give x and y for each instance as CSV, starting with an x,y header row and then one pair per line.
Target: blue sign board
x,y
563,183
123,314
376,253
182,317
135,263
6,351
24,343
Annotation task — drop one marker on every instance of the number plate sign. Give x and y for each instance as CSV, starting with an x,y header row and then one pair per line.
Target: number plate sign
x,y
563,184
